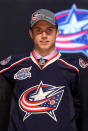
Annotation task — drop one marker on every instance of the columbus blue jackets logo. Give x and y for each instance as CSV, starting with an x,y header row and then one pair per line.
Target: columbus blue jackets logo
x,y
83,63
5,61
73,31
42,98
35,16
23,73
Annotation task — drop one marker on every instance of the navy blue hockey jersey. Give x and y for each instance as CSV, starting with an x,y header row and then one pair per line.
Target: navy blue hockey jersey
x,y
43,98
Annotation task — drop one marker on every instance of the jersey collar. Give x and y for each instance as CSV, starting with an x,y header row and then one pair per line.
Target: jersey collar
x,y
50,61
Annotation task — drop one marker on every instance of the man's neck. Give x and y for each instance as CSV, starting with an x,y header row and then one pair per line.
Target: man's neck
x,y
45,53
46,56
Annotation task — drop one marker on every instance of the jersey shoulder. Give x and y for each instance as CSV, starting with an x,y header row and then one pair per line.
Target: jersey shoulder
x,y
69,63
81,62
12,61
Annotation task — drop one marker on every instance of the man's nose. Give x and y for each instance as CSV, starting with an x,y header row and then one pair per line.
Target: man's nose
x,y
44,34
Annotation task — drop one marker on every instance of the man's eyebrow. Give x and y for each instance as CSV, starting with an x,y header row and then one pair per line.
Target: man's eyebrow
x,y
36,27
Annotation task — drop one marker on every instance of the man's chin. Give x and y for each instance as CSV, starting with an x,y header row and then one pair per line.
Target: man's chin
x,y
44,49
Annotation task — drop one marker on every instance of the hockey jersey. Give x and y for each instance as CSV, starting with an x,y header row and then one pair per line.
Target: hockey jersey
x,y
43,97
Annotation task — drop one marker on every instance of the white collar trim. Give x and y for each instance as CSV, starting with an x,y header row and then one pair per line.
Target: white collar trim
x,y
50,61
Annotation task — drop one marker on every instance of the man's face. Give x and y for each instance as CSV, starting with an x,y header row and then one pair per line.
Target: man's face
x,y
44,36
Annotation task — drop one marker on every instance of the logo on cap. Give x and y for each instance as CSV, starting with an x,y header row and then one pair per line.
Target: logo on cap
x,y
35,16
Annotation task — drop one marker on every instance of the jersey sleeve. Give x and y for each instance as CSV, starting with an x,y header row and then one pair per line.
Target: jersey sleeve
x,y
5,64
75,86
75,90
8,65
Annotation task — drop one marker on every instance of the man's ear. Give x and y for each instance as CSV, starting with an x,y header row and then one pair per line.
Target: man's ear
x,y
57,33
31,33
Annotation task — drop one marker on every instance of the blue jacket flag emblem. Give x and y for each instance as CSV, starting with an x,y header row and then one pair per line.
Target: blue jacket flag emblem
x,y
42,98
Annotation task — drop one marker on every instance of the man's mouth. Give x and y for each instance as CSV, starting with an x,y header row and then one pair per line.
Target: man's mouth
x,y
44,42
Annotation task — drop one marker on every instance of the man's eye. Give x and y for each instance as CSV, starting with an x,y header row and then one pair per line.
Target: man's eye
x,y
38,30
49,29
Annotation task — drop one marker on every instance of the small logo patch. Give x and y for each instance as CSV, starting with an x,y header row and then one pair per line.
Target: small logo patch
x,y
82,63
35,16
42,61
5,61
23,73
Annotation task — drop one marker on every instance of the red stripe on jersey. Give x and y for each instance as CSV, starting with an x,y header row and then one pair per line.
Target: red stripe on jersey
x,y
69,65
52,58
14,64
36,60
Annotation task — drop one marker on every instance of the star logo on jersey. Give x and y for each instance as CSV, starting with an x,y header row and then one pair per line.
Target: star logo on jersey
x,y
23,73
73,31
42,98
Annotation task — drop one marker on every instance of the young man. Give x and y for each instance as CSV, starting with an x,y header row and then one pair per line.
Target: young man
x,y
45,86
